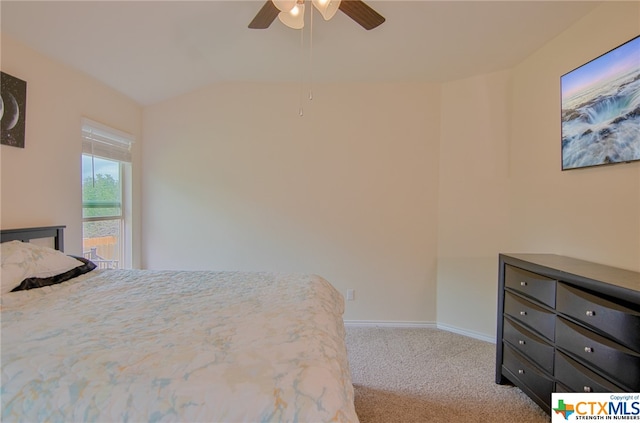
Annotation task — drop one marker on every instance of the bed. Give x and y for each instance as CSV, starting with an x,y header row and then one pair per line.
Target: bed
x,y
147,345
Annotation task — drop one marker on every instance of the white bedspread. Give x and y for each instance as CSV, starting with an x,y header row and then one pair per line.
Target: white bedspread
x,y
133,346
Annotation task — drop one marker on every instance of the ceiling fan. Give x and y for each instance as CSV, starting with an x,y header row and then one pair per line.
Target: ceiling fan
x,y
357,10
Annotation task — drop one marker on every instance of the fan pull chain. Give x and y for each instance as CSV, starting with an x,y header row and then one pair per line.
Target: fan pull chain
x,y
310,63
311,56
301,109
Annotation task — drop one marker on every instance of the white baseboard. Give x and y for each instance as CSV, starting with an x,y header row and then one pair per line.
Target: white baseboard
x,y
389,324
469,333
430,325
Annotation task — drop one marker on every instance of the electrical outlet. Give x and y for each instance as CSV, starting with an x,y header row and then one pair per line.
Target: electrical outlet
x,y
351,294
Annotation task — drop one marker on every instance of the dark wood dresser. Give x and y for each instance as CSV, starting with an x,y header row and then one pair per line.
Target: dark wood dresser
x,y
567,325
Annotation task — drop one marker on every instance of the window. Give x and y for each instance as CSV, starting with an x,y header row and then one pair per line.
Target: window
x,y
106,189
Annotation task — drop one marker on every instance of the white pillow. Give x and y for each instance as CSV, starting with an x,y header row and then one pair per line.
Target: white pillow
x,y
21,260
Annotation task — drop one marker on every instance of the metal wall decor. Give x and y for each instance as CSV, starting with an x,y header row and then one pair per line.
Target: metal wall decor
x,y
13,107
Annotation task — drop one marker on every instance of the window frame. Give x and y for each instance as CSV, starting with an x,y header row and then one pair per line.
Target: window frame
x,y
101,141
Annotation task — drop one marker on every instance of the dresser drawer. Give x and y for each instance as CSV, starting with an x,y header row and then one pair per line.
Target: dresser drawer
x,y
619,322
577,378
531,315
531,284
529,344
524,375
616,361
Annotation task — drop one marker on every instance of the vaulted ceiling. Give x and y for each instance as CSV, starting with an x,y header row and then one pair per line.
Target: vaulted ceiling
x,y
154,50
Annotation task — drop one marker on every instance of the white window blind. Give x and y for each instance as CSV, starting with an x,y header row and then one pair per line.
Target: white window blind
x,y
99,140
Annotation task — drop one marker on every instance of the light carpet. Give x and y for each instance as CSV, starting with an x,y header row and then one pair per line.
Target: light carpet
x,y
428,375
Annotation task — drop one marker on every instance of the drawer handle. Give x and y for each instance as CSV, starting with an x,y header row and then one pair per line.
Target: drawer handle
x,y
587,389
523,283
521,371
521,342
588,349
590,313
523,313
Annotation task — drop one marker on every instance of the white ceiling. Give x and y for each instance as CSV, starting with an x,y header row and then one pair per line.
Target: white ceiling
x,y
154,50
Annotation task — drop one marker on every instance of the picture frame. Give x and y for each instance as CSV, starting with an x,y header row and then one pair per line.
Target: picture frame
x,y
13,107
601,109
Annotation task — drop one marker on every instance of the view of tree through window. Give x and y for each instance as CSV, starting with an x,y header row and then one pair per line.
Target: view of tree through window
x,y
102,210
101,196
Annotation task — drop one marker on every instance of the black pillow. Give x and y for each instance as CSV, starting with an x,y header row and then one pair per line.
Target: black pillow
x,y
31,283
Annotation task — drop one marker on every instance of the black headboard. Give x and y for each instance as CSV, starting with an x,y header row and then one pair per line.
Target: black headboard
x,y
27,234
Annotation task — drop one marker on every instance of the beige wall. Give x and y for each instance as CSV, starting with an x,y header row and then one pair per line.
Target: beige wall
x,y
501,187
473,217
235,179
41,183
593,213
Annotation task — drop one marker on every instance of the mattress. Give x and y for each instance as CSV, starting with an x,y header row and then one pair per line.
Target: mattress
x,y
196,346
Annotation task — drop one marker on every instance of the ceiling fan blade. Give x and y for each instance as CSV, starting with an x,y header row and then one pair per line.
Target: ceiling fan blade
x,y
265,16
361,13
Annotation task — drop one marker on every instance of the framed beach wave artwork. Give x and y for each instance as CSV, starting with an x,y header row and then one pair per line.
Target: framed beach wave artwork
x,y
601,109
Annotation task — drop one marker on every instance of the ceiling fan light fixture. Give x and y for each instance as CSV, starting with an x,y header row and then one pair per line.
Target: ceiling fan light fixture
x,y
284,5
294,18
327,8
